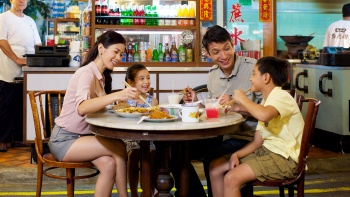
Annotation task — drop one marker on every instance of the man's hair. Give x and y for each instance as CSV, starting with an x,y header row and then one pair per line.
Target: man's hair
x,y
346,10
276,67
216,34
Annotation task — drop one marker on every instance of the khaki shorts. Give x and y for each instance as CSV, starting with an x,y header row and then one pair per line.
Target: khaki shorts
x,y
267,165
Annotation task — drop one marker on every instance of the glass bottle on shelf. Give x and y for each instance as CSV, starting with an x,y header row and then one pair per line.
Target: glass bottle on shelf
x,y
130,54
173,51
125,56
137,57
186,14
179,14
155,55
123,13
167,57
104,8
189,53
142,14
98,9
149,53
142,53
192,15
160,52
182,53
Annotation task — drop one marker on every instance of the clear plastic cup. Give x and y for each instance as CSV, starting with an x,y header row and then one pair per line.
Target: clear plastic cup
x,y
211,108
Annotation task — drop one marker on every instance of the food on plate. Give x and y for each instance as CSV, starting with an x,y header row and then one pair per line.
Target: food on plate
x,y
121,105
133,110
156,114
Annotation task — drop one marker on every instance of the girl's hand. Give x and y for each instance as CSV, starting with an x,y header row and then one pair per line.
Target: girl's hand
x,y
234,161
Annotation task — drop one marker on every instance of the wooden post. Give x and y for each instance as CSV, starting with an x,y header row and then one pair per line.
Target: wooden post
x,y
270,33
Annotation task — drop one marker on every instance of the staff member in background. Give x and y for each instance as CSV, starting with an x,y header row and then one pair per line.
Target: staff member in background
x,y
338,33
18,36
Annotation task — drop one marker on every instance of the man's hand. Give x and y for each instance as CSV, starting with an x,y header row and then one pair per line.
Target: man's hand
x,y
189,95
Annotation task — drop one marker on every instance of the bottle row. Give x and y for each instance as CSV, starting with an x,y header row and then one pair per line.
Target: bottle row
x,y
145,21
144,53
151,15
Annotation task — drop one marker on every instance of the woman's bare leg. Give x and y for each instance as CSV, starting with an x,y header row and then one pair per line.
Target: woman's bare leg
x,y
237,177
109,156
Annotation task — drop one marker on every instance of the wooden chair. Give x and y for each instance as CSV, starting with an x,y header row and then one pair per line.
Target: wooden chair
x,y
41,121
296,183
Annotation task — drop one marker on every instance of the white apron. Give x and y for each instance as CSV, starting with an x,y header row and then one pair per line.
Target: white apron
x,y
9,69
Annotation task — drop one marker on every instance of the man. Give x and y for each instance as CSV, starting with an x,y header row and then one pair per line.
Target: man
x,y
338,33
230,71
18,36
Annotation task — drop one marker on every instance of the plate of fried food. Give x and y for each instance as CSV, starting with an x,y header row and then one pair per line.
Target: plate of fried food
x,y
132,112
160,116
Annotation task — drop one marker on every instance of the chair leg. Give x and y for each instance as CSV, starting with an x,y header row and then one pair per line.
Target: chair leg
x,y
247,190
39,181
281,191
291,191
300,187
70,173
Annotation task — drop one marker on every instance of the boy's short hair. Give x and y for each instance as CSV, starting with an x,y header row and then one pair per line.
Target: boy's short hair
x,y
276,67
346,10
216,34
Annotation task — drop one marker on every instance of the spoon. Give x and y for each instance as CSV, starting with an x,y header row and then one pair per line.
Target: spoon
x,y
142,118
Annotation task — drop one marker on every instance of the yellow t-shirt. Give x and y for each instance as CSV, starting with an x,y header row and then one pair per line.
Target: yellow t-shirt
x,y
282,135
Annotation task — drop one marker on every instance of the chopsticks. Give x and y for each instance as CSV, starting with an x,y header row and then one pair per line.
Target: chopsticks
x,y
143,99
233,100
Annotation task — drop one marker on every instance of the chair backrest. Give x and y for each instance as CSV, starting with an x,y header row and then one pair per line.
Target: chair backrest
x,y
43,122
309,127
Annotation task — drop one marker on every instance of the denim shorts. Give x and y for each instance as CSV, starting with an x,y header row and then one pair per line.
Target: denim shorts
x,y
60,141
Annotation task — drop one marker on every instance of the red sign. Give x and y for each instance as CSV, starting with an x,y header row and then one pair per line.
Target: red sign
x,y
236,13
206,10
265,12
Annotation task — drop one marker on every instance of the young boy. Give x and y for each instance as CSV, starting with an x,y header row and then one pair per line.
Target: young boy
x,y
274,152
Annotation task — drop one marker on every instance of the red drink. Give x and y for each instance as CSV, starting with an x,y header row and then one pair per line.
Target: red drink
x,y
212,112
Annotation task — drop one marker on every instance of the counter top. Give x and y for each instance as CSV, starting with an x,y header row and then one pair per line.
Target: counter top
x,y
120,69
323,67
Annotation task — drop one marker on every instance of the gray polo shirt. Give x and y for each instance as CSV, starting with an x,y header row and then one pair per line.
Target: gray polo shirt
x,y
217,82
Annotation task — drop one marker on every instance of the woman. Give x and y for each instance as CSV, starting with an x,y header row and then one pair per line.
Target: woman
x,y
18,36
71,139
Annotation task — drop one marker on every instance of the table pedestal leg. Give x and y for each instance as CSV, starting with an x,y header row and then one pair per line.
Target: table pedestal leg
x,y
146,176
164,181
184,169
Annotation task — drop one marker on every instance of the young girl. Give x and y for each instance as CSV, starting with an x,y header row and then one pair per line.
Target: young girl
x,y
137,76
274,152
87,92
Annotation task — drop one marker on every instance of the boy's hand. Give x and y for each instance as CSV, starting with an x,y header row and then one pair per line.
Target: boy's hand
x,y
234,161
239,95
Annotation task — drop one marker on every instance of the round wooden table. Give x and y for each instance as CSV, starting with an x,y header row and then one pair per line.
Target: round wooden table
x,y
111,125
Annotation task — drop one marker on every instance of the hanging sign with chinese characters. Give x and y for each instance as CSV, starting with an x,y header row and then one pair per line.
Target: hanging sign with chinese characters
x,y
206,10
265,10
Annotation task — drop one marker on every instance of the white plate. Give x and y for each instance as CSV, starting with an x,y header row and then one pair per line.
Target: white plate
x,y
161,120
129,115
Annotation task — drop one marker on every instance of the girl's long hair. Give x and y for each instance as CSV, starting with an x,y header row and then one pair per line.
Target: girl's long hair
x,y
106,39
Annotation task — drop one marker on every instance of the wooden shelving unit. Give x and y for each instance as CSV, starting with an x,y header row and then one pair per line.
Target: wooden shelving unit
x,y
196,44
